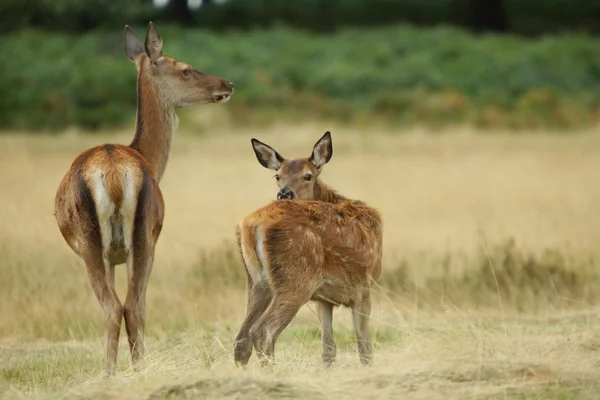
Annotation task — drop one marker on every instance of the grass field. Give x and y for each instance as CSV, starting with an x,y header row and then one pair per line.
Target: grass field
x,y
490,287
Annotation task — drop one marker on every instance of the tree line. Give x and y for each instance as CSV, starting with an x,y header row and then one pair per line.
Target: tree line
x,y
521,17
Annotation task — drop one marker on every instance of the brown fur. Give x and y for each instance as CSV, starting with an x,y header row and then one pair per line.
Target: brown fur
x,y
109,207
325,248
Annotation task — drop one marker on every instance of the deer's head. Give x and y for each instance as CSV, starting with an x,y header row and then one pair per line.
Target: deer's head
x,y
176,83
296,177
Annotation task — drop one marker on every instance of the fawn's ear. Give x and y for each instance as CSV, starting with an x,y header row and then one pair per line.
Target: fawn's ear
x,y
154,43
322,151
266,155
132,44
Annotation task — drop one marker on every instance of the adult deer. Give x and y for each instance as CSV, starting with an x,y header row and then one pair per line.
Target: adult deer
x,y
312,244
109,207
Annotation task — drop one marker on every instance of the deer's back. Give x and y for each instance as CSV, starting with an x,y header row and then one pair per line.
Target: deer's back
x,y
338,245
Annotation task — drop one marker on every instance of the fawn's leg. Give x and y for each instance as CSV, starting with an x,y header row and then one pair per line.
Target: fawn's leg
x,y
360,316
259,297
325,311
285,304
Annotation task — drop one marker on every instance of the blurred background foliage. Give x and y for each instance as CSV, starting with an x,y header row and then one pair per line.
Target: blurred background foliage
x,y
490,63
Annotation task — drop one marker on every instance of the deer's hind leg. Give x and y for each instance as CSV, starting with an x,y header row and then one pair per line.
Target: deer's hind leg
x,y
361,312
259,297
98,271
287,300
96,224
144,234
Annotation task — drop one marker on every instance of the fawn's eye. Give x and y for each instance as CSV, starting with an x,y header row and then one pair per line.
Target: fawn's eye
x,y
187,71
307,177
277,178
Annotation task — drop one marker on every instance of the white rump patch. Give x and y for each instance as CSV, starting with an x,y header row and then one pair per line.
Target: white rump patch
x,y
128,207
254,265
105,208
261,253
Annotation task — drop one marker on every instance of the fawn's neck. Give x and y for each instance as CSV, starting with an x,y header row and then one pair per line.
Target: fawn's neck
x,y
326,194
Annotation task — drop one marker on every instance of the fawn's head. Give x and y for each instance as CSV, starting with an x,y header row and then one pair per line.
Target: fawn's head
x,y
296,177
177,83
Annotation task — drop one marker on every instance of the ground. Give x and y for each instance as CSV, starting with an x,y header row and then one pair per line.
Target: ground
x,y
449,200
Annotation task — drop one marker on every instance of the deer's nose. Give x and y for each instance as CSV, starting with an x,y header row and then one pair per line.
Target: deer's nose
x,y
285,193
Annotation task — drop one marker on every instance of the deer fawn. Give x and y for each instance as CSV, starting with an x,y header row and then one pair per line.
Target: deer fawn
x,y
109,207
320,247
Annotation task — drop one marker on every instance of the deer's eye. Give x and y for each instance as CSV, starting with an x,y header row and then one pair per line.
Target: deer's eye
x,y
277,178
187,71
307,177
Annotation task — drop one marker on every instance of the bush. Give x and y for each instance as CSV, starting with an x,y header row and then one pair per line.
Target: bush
x,y
505,276
401,74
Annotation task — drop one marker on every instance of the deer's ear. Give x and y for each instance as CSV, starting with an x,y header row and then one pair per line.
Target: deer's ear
x,y
322,151
154,43
266,155
132,44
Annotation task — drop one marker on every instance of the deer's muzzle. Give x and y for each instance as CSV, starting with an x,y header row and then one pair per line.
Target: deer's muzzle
x,y
285,193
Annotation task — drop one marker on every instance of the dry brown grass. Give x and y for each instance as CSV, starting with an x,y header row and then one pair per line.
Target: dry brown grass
x,y
447,201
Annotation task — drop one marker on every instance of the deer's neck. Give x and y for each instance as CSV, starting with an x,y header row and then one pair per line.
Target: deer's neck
x,y
155,124
326,194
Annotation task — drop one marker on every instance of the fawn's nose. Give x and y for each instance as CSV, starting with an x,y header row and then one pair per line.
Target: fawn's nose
x,y
285,193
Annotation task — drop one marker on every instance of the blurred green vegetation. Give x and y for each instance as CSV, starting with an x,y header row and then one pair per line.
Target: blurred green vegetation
x,y
399,75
